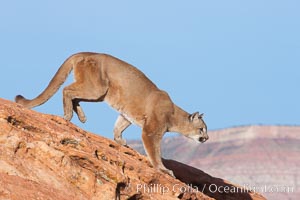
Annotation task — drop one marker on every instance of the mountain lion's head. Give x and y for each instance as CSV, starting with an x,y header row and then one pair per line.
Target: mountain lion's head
x,y
197,129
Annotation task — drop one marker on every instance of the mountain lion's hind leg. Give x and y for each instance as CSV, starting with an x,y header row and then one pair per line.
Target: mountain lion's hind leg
x,y
78,110
120,125
84,92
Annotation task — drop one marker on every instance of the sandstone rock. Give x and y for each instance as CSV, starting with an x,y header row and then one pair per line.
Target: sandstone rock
x,y
45,157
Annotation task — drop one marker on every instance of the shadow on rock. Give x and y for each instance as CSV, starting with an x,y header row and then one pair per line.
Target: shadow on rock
x,y
213,187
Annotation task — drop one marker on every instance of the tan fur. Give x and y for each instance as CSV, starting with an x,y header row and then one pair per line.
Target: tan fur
x,y
101,77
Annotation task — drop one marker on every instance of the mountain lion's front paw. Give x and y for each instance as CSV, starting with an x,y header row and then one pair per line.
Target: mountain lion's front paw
x,y
167,171
121,141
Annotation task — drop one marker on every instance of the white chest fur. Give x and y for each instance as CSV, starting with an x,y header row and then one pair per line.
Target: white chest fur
x,y
128,118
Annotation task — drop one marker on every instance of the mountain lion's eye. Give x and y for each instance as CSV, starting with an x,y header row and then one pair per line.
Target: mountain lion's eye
x,y
201,129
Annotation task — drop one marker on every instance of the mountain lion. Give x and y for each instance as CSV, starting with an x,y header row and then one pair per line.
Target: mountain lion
x,y
101,77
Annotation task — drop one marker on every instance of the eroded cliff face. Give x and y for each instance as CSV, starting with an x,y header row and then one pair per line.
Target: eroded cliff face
x,y
45,157
264,158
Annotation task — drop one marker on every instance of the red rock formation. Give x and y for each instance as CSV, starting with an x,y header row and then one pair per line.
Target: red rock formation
x,y
45,157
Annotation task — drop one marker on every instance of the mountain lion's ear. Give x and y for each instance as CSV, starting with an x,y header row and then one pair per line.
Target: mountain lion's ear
x,y
194,116
201,115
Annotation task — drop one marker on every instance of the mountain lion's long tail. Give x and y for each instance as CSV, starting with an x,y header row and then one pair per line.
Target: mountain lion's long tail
x,y
58,79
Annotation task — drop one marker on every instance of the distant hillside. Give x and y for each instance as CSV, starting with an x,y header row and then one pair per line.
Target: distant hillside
x,y
265,157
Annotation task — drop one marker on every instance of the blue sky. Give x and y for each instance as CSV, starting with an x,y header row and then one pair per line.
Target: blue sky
x,y
236,61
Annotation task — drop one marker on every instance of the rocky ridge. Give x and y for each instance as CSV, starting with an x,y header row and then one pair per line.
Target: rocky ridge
x,y
45,157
